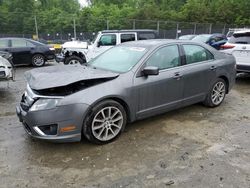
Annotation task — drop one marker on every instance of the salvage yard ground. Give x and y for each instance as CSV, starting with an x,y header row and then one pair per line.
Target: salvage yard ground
x,y
191,147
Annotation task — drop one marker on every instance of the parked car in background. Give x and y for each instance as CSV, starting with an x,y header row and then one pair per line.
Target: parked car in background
x,y
187,37
232,30
214,40
239,46
6,67
131,81
27,51
80,52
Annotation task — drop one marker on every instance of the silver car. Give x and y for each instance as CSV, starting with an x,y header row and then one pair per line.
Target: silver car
x,y
131,81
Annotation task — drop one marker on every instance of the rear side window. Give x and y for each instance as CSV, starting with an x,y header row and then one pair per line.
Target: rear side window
x,y
240,38
127,37
108,40
16,43
146,36
195,53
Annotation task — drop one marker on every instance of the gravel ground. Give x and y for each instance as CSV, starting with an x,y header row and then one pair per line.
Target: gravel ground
x,y
190,147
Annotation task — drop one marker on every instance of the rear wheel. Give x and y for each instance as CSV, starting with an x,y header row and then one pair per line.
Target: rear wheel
x,y
73,60
105,123
216,94
38,60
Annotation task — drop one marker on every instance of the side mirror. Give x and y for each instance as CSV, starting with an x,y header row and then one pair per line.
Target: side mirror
x,y
150,70
99,43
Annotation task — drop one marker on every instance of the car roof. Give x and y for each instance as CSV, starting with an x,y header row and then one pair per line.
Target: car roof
x,y
152,43
129,30
8,38
243,31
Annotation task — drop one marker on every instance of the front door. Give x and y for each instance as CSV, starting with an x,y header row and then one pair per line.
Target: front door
x,y
163,92
105,42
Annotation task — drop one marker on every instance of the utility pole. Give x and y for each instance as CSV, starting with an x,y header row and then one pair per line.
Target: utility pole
x,y
74,28
36,28
107,24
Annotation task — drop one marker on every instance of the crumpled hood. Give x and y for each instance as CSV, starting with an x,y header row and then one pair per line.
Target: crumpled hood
x,y
58,76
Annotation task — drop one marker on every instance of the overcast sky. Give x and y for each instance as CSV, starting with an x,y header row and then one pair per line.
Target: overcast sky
x,y
83,3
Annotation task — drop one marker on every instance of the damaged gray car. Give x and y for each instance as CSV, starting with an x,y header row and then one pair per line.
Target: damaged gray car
x,y
129,82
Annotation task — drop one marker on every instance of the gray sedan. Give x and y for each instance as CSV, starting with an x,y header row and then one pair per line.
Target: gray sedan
x,y
129,82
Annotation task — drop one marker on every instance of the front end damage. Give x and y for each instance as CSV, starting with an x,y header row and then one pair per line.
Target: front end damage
x,y
40,109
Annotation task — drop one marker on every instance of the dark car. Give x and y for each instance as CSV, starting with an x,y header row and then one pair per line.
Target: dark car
x,y
27,51
214,40
131,81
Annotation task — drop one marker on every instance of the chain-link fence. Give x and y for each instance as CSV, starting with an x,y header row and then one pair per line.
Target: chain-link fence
x,y
64,29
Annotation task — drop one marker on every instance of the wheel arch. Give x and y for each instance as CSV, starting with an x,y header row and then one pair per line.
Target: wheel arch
x,y
78,54
227,82
114,98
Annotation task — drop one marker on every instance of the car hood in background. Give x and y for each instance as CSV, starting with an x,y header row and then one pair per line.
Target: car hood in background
x,y
75,44
58,76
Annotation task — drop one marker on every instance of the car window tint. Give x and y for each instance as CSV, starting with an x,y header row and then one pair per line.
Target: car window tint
x,y
4,43
195,53
18,43
29,44
108,40
127,37
240,38
166,57
146,36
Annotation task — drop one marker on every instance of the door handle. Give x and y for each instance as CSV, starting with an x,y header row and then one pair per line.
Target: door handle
x,y
213,68
177,76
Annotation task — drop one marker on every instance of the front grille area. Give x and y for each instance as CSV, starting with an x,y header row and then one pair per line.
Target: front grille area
x,y
243,67
2,74
27,100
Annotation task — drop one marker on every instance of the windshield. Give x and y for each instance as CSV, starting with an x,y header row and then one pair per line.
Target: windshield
x,y
119,59
202,38
240,38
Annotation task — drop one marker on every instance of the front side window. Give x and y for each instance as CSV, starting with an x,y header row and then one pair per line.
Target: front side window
x,y
4,43
195,53
127,37
119,59
166,57
108,40
16,43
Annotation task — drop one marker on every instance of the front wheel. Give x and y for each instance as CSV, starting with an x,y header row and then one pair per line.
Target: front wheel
x,y
105,123
38,60
74,60
216,94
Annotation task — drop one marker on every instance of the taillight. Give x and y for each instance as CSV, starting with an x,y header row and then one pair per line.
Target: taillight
x,y
227,46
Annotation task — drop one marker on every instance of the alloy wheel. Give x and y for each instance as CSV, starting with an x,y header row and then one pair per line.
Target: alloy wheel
x,y
218,93
107,123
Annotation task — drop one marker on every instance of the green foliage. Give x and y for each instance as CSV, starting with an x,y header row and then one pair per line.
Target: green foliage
x,y
17,16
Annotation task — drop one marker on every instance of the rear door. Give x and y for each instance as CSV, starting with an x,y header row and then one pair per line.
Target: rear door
x,y
199,72
21,51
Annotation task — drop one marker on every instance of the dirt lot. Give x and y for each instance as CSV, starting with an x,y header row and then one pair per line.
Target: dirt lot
x,y
191,147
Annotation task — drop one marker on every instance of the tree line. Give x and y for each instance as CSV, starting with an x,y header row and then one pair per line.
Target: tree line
x,y
19,16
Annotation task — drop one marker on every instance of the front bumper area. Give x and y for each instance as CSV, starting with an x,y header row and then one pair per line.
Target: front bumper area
x,y
60,58
63,117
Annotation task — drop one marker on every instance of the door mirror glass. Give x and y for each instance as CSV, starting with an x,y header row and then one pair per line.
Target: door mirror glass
x,y
150,70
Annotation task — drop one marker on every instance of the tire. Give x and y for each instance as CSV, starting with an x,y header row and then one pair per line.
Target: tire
x,y
216,94
100,127
73,60
38,60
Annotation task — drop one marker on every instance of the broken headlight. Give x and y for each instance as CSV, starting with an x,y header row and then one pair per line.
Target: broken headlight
x,y
44,104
